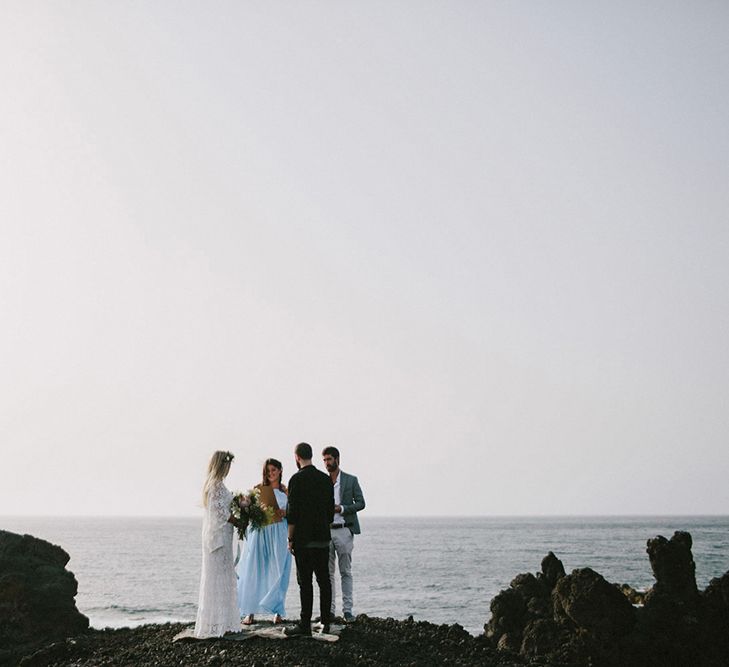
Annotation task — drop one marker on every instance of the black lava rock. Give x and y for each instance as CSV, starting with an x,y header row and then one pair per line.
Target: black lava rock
x,y
37,593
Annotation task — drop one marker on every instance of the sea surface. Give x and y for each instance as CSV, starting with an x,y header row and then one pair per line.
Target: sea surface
x,y
133,571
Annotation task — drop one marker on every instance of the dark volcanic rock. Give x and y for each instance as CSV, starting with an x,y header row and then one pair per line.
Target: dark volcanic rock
x,y
540,637
585,600
552,570
589,621
716,599
36,592
715,618
508,617
670,619
633,596
526,601
673,567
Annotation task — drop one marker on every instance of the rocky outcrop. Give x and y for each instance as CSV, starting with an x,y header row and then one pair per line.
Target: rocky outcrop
x,y
552,570
522,615
714,621
581,618
36,593
669,620
584,600
674,569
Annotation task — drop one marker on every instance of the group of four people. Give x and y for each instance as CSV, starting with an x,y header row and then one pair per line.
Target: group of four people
x,y
316,521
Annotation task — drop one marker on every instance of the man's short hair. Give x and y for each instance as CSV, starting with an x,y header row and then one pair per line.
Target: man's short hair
x,y
331,451
303,451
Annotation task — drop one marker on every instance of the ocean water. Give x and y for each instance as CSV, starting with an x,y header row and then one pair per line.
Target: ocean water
x,y
444,570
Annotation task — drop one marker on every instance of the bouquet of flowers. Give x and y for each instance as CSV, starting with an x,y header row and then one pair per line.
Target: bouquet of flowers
x,y
247,509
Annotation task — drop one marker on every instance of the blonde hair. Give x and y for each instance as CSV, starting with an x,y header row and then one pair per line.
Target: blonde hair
x,y
218,468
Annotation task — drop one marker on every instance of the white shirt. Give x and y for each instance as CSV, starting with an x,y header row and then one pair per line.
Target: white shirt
x,y
338,518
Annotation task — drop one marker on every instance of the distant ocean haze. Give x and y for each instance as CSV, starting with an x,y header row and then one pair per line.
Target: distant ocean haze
x,y
133,571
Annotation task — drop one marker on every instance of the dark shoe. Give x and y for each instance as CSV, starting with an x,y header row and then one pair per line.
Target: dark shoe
x,y
297,631
348,617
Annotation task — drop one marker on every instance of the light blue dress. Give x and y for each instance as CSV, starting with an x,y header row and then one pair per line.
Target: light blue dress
x,y
265,567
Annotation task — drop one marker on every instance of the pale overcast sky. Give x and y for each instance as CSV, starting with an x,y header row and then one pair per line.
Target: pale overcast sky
x,y
483,247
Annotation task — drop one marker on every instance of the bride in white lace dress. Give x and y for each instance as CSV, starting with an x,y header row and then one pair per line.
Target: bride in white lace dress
x,y
217,611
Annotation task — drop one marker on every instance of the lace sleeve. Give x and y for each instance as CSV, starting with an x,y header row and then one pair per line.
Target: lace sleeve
x,y
216,517
219,503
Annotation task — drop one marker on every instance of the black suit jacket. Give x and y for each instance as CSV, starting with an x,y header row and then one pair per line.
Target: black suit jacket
x,y
311,506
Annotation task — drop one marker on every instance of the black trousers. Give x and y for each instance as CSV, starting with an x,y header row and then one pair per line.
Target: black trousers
x,y
313,562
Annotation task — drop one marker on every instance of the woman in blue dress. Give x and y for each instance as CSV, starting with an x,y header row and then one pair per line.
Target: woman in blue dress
x,y
264,569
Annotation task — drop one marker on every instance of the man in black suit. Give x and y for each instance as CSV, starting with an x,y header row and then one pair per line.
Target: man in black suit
x,y
310,513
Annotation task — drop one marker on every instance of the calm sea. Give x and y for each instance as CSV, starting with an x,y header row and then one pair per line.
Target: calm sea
x,y
133,571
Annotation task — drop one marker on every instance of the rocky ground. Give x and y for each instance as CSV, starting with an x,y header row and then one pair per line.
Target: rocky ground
x,y
369,641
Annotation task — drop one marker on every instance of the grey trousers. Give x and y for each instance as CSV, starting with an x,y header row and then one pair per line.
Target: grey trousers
x,y
340,551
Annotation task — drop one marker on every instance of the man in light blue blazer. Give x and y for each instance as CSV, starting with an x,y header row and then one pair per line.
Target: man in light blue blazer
x,y
348,500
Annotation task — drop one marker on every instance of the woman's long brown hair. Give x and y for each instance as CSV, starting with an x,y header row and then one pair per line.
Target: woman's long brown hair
x,y
276,464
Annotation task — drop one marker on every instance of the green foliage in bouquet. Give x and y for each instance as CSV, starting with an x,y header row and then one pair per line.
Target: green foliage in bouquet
x,y
247,510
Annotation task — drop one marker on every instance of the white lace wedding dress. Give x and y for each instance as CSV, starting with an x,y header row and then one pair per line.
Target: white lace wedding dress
x,y
217,610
